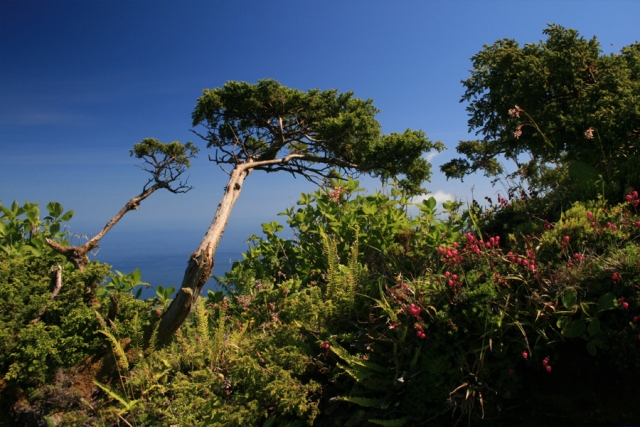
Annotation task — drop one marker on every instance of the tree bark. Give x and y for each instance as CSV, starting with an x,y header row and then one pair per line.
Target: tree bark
x,y
201,261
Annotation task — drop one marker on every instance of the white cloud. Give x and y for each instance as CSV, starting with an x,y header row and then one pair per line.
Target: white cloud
x,y
431,155
439,195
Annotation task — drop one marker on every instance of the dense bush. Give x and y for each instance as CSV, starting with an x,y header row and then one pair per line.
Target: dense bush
x,y
443,322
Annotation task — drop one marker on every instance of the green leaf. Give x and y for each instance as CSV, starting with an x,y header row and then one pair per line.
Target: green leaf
x,y
55,227
361,401
55,209
67,216
575,329
606,302
390,423
135,276
430,202
591,348
570,298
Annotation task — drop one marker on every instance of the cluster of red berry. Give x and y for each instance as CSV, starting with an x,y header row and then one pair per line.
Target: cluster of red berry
x,y
527,261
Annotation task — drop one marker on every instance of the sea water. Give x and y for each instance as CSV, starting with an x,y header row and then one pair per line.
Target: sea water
x,y
161,256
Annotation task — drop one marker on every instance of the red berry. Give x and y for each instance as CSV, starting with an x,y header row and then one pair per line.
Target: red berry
x,y
566,239
325,345
525,355
548,368
625,305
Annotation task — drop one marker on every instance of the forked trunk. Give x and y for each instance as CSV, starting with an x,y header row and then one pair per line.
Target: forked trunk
x,y
201,261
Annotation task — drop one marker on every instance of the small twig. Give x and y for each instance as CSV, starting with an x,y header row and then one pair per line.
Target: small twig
x,y
57,285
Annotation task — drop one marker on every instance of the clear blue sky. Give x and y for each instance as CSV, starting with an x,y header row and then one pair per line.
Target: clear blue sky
x,y
81,82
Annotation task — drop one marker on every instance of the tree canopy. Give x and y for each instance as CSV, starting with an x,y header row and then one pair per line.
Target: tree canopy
x,y
316,132
561,102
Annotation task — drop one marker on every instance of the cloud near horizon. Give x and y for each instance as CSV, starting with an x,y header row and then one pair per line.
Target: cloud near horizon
x,y
439,195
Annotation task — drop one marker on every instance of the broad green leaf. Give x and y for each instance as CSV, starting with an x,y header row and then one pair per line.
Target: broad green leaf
x,y
570,298
361,401
431,202
575,329
67,216
591,348
398,422
606,302
54,228
55,209
135,276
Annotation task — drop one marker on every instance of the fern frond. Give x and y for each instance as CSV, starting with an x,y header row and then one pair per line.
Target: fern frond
x,y
355,372
153,340
118,351
202,324
136,334
126,405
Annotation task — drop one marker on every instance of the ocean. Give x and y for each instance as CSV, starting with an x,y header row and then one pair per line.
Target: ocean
x,y
161,256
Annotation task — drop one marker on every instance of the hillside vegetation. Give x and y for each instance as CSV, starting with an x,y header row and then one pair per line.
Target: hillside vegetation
x,y
525,311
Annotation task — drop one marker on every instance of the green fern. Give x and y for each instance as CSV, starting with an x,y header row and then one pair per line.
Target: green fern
x,y
126,405
137,335
118,351
153,340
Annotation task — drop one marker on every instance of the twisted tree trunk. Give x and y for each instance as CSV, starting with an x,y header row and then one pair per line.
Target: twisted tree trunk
x,y
201,261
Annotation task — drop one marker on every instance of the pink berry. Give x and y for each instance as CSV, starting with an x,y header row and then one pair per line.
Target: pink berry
x,y
548,368
625,305
635,319
566,239
525,355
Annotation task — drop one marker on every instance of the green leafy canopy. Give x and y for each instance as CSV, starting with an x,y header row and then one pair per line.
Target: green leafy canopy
x,y
316,132
562,87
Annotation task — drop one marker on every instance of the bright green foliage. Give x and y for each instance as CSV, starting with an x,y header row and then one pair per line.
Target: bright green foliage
x,y
122,283
318,131
372,317
22,232
31,353
576,107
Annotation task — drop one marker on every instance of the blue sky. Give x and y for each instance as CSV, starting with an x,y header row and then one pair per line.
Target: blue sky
x,y
81,82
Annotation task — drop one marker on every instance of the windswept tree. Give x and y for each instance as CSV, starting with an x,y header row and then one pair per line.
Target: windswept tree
x,y
560,109
166,163
315,134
